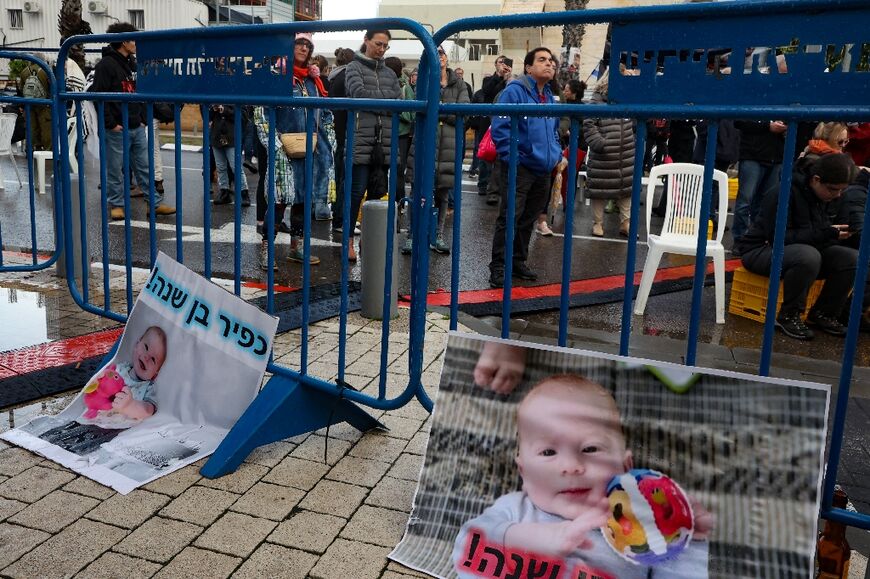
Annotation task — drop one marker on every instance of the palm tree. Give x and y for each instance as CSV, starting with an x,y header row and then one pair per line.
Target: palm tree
x,y
572,37
70,23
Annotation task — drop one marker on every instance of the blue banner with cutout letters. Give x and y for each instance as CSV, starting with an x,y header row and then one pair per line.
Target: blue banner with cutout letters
x,y
250,60
824,57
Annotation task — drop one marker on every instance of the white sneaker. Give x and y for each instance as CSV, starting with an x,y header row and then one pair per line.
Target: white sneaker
x,y
543,229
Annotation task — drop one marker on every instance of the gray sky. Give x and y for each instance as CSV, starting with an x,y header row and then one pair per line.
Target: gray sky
x,y
348,10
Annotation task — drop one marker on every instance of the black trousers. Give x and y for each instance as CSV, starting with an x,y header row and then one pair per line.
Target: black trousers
x,y
801,266
532,195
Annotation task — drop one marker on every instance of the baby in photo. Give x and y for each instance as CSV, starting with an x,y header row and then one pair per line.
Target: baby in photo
x,y
119,397
570,445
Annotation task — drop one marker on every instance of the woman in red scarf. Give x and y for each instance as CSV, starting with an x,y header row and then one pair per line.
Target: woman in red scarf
x,y
290,177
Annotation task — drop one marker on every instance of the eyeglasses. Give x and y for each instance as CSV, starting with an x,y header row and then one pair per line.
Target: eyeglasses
x,y
304,43
442,53
381,45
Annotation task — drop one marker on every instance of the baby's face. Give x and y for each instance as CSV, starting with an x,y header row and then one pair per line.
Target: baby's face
x,y
149,353
569,449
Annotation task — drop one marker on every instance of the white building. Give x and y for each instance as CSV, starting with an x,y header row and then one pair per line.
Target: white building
x,y
33,23
476,50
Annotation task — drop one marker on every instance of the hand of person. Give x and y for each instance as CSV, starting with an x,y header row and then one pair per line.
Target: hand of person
x,y
843,231
313,71
500,367
559,539
117,128
705,521
122,399
572,535
778,127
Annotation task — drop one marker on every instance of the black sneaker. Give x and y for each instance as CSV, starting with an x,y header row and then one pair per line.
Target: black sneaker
x,y
522,271
496,278
493,198
826,323
793,327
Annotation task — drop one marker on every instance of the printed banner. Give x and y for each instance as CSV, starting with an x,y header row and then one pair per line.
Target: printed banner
x,y
567,464
190,361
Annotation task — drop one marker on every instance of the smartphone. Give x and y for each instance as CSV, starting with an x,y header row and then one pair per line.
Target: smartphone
x,y
509,62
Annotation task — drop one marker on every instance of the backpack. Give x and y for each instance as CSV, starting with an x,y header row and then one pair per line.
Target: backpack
x,y
33,88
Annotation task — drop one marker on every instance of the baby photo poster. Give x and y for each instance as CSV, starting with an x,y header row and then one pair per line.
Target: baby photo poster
x,y
567,464
189,363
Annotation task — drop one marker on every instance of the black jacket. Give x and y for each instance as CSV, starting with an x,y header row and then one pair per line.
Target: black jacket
x,y
492,85
337,90
117,73
849,209
727,143
222,119
808,218
757,143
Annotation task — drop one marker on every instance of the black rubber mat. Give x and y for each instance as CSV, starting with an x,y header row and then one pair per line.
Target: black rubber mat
x,y
24,388
324,302
550,303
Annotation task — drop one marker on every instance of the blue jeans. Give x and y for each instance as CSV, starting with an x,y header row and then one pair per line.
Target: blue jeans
x,y
138,165
754,180
223,157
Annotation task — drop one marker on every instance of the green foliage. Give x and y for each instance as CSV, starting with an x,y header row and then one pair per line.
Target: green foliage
x,y
15,68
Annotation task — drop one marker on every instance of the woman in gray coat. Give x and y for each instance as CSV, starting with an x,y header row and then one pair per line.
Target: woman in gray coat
x,y
368,77
610,164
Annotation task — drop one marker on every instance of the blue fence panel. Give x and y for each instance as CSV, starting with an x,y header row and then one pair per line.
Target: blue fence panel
x,y
669,55
243,65
35,240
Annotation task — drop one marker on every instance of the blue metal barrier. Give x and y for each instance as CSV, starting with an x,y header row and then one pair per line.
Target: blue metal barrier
x,y
37,261
674,82
180,66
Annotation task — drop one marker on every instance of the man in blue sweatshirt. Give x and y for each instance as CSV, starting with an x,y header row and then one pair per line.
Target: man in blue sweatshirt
x,y
538,153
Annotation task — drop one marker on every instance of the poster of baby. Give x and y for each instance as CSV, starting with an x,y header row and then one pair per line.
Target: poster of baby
x,y
566,464
188,364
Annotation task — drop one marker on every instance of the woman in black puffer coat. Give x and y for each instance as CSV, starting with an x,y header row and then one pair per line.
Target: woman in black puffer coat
x,y
610,164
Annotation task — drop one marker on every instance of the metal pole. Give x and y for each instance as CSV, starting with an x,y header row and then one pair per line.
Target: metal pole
x,y
76,246
374,262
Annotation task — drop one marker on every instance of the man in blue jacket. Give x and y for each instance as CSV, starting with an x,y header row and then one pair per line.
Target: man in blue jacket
x,y
538,153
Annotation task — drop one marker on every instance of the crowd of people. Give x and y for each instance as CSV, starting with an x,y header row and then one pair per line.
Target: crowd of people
x,y
829,184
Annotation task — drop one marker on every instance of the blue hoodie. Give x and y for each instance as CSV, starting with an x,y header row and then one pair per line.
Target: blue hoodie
x,y
538,148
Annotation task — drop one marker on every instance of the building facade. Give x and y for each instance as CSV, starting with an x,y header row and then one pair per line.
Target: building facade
x,y
477,49
32,24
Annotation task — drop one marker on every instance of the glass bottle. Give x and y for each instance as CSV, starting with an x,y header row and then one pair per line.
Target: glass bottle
x,y
832,557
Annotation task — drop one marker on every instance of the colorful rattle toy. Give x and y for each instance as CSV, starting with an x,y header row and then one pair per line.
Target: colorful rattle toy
x,y
651,520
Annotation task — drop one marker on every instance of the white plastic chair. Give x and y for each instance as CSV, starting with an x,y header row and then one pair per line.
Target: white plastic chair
x,y
7,127
40,157
679,232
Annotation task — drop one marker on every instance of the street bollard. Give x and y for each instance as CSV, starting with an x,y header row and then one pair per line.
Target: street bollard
x,y
60,265
373,244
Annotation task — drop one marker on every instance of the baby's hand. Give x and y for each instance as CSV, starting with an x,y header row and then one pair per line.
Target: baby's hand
x,y
122,399
573,535
705,521
500,367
